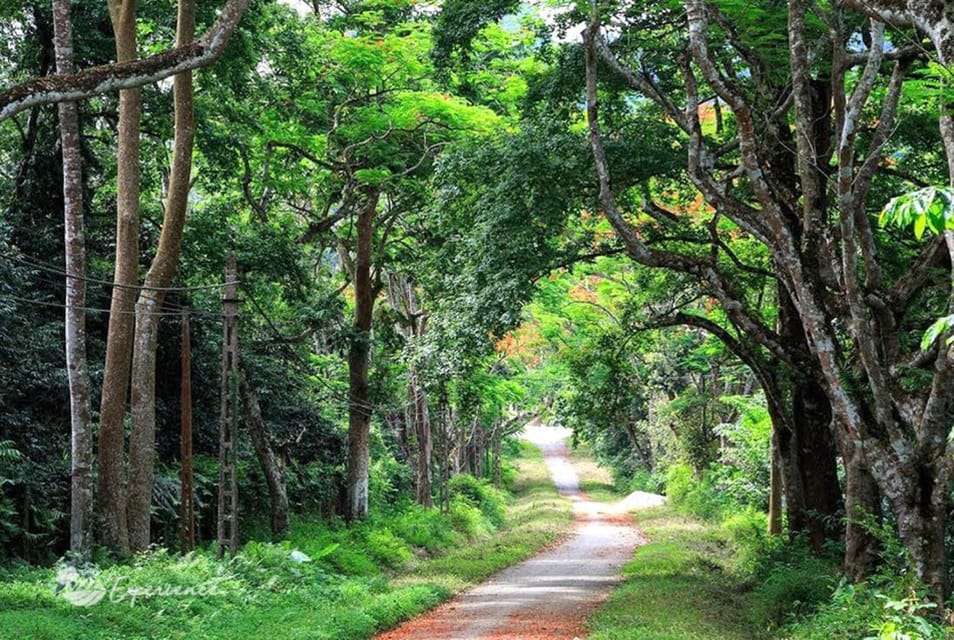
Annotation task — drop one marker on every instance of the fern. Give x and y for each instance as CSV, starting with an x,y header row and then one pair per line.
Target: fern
x,y
8,453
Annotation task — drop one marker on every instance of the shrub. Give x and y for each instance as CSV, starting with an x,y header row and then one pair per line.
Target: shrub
x,y
699,497
792,588
755,549
479,494
645,480
887,607
424,528
385,547
467,519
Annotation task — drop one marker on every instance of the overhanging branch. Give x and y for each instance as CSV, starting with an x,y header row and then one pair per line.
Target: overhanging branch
x,y
125,75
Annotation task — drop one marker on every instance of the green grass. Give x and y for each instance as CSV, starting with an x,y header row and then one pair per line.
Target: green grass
x,y
364,578
595,480
678,586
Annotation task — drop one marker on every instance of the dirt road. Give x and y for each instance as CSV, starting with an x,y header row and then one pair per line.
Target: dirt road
x,y
549,595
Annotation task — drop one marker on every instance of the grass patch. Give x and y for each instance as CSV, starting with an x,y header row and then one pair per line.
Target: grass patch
x,y
361,580
595,480
678,586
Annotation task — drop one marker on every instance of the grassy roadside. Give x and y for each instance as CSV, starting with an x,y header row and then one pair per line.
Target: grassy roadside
x,y
595,480
678,586
361,580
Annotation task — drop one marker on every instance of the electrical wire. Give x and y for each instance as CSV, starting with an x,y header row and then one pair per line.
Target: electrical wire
x,y
35,263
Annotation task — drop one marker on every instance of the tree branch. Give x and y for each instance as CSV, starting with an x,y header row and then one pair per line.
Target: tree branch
x,y
125,75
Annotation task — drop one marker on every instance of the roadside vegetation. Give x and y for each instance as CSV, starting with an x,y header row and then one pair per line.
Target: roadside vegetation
x,y
356,580
710,571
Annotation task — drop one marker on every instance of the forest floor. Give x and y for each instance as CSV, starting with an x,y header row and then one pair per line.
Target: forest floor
x,y
551,594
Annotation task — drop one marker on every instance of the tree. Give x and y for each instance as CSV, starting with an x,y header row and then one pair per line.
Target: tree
x,y
360,408
854,304
364,129
114,532
142,437
81,449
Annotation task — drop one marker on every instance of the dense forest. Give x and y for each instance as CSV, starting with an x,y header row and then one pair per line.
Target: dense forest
x,y
282,282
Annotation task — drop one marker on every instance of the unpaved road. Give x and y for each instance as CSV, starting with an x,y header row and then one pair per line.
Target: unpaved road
x,y
549,595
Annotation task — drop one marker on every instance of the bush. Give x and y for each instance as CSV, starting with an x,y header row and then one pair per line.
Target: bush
x,y
480,494
645,480
386,548
887,607
699,497
793,587
755,549
467,519
424,528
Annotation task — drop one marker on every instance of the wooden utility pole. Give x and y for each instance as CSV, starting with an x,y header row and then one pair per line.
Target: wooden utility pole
x,y
186,498
227,525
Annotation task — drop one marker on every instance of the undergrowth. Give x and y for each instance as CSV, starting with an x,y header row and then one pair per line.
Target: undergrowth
x,y
710,570
327,580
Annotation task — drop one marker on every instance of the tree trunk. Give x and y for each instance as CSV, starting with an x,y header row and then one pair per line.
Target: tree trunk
x,y
498,439
425,444
359,408
862,505
81,444
775,490
817,463
445,427
918,491
807,448
112,487
186,475
142,437
274,477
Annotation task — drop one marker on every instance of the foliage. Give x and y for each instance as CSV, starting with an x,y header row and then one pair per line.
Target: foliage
x,y
885,607
930,208
270,589
479,494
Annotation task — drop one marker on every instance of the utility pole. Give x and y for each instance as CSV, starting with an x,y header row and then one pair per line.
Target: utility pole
x,y
227,525
186,495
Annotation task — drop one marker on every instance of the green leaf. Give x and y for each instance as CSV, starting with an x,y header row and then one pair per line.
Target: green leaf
x,y
919,225
372,177
929,208
940,326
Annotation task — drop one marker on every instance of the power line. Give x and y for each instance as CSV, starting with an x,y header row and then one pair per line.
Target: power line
x,y
172,309
34,263
168,306
60,305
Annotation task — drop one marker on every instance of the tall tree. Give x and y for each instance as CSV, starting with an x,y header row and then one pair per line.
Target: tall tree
x,y
77,366
359,352
112,484
142,438
855,305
